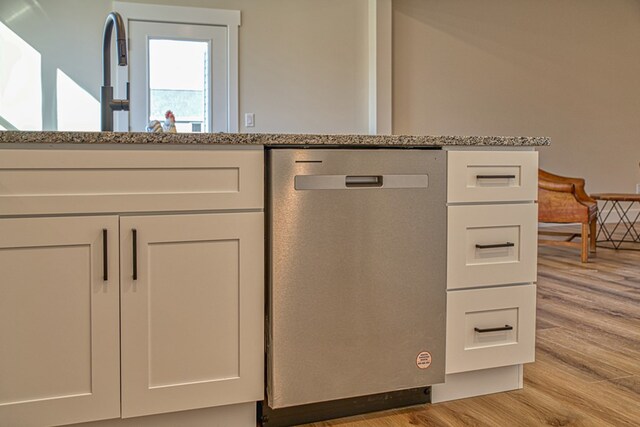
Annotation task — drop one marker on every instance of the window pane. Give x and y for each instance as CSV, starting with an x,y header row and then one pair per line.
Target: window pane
x,y
178,81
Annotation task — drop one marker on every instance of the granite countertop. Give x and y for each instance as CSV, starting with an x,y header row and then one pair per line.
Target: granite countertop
x,y
46,137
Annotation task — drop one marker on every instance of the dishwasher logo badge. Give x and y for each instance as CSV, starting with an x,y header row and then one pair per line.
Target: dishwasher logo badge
x,y
423,360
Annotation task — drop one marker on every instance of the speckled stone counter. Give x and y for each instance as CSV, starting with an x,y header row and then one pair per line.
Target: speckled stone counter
x,y
264,139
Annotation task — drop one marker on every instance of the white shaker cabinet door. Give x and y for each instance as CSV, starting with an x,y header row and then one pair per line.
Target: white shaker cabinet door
x,y
59,342
192,301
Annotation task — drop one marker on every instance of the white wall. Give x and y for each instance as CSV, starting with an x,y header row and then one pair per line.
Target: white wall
x,y
303,63
566,69
67,34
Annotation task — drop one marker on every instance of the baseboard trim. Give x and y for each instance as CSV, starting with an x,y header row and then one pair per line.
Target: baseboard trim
x,y
478,383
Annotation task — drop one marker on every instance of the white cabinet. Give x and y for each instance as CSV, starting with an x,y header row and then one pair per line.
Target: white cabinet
x,y
490,327
72,181
192,304
491,270
84,340
491,244
492,176
59,320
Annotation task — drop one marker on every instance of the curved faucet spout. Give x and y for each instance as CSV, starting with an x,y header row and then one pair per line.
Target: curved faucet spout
x,y
121,45
107,104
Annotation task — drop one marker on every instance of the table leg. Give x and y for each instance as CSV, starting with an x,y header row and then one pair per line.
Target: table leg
x,y
626,223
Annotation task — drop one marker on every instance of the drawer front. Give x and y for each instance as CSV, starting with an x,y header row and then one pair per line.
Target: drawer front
x,y
487,328
54,181
491,245
492,176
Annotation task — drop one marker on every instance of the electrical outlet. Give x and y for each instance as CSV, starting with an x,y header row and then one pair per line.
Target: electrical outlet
x,y
638,188
249,120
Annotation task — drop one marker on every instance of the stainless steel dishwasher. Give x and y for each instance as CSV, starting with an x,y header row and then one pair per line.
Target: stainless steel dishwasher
x,y
356,286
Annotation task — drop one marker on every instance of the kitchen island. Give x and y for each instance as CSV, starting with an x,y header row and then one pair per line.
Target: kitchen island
x,y
142,223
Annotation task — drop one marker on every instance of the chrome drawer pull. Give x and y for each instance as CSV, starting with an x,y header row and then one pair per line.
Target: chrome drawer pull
x,y
497,245
495,176
505,328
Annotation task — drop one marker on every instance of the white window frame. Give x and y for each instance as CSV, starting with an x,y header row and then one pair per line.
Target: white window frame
x,y
185,15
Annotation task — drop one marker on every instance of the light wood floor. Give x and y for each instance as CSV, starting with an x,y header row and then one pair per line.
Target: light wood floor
x,y
587,369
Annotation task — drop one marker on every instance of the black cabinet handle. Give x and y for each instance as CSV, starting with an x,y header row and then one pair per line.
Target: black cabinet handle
x,y
135,254
105,256
495,176
505,328
497,245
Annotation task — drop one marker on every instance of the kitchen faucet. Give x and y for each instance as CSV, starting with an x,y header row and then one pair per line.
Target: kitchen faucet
x,y
107,104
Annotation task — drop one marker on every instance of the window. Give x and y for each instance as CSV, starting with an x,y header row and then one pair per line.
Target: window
x,y
182,59
178,81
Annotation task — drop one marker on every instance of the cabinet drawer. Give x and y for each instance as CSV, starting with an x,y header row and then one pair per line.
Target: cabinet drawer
x,y
492,176
491,245
487,328
54,181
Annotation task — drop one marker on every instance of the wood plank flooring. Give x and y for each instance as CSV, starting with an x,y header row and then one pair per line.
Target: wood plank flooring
x,y
587,368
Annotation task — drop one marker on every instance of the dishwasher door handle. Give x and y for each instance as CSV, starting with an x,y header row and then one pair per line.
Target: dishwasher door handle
x,y
363,181
343,182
